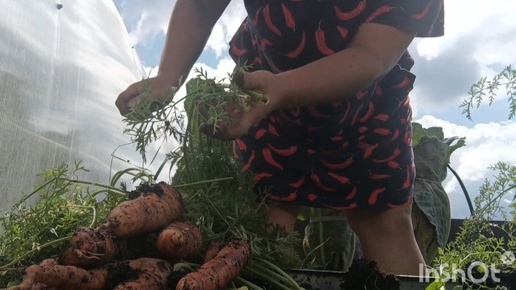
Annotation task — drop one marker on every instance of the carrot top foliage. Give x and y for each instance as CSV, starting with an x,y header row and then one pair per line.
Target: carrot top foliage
x,y
35,230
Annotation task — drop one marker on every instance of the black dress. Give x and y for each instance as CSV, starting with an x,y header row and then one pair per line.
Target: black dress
x,y
355,153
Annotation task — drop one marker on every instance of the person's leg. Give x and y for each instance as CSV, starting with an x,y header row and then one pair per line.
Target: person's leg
x,y
283,215
387,238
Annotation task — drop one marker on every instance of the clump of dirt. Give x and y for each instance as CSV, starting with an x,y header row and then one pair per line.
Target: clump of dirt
x,y
364,274
120,272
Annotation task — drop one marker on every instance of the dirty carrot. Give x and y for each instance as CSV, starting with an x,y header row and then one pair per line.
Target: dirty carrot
x,y
152,274
156,207
62,277
212,251
179,240
217,273
90,247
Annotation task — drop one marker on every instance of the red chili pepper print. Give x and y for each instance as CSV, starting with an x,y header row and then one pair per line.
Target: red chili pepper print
x,y
343,32
298,183
317,114
264,43
259,134
402,84
256,17
382,131
423,13
289,18
374,195
237,51
273,130
340,178
268,21
320,39
393,164
368,114
241,145
317,181
395,154
408,180
368,149
259,176
379,176
284,152
378,12
249,162
338,166
299,49
396,134
311,197
345,16
291,197
382,117
352,194
267,154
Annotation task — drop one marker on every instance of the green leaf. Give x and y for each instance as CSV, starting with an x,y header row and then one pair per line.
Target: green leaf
x,y
431,156
436,285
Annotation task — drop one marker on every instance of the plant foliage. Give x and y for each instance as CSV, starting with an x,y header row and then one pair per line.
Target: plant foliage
x,y
488,88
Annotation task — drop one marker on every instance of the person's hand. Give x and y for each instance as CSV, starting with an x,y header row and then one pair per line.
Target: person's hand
x,y
157,88
242,120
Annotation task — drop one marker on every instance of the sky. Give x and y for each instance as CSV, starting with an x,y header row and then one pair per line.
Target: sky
x,y
479,42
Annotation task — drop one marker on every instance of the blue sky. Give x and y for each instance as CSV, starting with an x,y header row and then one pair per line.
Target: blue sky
x,y
479,42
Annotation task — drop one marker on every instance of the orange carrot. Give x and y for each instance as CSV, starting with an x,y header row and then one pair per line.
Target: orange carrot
x,y
217,273
90,247
153,275
65,277
212,251
144,273
153,210
179,240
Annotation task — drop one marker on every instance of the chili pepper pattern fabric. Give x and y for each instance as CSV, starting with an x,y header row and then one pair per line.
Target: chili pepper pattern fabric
x,y
355,153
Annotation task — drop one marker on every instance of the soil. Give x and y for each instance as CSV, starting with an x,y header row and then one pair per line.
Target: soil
x,y
364,274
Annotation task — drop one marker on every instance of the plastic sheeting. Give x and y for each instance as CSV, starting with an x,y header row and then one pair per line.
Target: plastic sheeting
x,y
62,64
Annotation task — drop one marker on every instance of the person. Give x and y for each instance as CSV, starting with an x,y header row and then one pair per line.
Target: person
x,y
337,130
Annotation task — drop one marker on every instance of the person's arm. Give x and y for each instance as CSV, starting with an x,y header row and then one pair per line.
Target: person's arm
x,y
373,52
189,28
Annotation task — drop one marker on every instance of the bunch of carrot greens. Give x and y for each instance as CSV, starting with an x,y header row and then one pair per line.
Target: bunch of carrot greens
x,y
129,237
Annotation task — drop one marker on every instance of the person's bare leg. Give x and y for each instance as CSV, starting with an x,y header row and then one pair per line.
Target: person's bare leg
x,y
387,238
283,215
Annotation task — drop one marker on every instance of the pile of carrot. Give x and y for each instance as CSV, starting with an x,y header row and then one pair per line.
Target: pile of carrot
x,y
98,258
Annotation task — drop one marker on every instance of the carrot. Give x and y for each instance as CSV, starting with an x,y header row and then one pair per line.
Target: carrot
x,y
212,251
153,275
217,273
144,273
48,262
179,240
153,210
90,247
59,276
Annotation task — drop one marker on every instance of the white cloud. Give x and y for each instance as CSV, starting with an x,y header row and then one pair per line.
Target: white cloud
x,y
145,22
226,27
486,144
479,38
